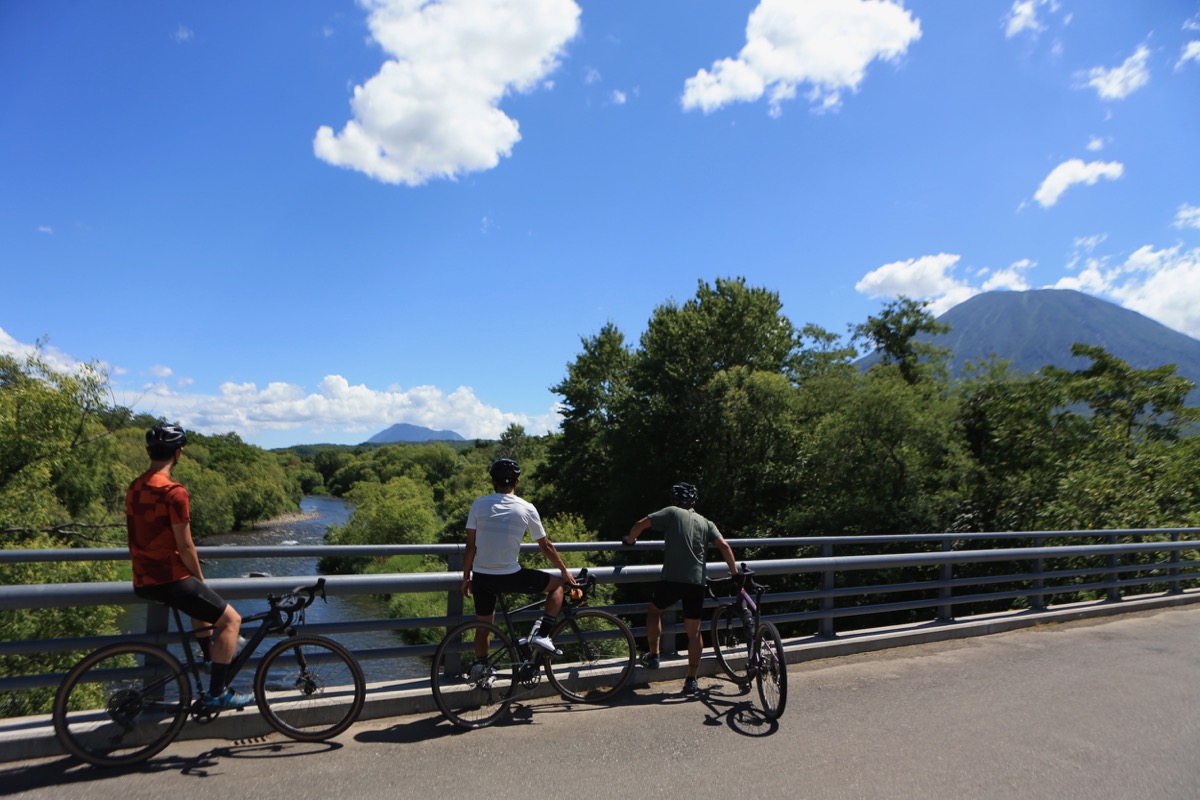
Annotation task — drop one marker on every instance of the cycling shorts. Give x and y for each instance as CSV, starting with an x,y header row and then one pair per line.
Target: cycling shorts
x,y
668,593
486,587
189,595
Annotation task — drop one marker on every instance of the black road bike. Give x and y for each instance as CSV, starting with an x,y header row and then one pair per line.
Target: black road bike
x,y
125,702
598,656
747,647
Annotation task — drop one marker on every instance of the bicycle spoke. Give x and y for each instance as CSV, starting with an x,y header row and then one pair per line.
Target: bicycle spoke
x,y
598,656
121,705
309,688
470,694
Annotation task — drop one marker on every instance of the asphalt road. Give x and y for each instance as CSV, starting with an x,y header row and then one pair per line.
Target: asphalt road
x,y
1093,709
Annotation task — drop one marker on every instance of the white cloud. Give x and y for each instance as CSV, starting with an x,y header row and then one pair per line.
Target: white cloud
x,y
45,229
1072,172
159,371
1119,82
1162,284
1096,144
1011,279
924,278
1191,52
1188,216
826,44
618,98
338,406
182,34
433,111
1023,17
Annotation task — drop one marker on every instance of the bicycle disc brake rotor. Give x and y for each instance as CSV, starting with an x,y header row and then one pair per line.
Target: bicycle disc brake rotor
x,y
308,683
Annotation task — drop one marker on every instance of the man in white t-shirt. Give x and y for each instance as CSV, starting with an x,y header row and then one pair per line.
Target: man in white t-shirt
x,y
496,525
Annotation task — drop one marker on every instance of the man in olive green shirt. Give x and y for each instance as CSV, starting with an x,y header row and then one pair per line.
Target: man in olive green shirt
x,y
687,536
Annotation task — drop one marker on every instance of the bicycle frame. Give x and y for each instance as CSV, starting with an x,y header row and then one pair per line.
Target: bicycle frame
x,y
272,621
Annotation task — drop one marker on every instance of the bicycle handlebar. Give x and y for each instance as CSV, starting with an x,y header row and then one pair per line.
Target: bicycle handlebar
x,y
743,577
299,598
586,584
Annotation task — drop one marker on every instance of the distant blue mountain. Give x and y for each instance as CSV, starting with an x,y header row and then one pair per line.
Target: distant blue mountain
x,y
403,432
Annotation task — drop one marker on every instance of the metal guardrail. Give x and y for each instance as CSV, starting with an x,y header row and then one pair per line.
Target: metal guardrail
x,y
1148,561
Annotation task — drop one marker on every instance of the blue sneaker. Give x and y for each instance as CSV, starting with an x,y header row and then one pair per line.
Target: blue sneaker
x,y
650,660
228,701
690,686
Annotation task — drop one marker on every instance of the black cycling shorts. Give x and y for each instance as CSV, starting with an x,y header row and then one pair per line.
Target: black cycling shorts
x,y
189,595
485,587
668,593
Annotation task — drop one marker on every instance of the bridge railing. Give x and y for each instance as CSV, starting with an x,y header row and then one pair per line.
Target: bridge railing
x,y
851,579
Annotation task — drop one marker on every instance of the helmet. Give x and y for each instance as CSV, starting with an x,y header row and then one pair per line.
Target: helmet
x,y
685,494
504,470
166,436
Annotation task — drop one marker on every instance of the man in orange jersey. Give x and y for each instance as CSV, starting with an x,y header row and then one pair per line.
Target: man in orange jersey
x,y
166,568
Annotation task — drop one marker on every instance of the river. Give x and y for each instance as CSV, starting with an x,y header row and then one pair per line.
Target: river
x,y
308,528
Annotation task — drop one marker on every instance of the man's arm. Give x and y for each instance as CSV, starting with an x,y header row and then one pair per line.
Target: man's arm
x,y
727,553
638,528
187,548
468,562
551,553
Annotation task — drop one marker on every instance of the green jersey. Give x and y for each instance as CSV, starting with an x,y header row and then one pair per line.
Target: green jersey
x,y
687,536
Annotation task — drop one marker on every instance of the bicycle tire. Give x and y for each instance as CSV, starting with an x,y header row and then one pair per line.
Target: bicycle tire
x,y
121,704
309,688
476,700
771,674
731,643
598,656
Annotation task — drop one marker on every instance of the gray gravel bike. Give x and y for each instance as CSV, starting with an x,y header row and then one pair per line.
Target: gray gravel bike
x,y
597,659
126,702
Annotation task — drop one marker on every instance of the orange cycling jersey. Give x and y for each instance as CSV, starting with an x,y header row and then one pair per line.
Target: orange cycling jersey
x,y
152,505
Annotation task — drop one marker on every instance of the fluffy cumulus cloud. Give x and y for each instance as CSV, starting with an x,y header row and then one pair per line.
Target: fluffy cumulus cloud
x,y
1070,173
337,407
1163,284
825,45
432,111
925,278
1121,81
1023,18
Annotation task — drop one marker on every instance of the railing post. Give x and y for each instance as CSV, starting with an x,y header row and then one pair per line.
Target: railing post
x,y
828,584
1037,600
1173,570
945,593
1114,591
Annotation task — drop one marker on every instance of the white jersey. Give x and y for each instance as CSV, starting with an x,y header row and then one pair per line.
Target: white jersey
x,y
500,521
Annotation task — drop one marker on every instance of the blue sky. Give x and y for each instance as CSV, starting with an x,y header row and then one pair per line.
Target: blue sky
x,y
305,221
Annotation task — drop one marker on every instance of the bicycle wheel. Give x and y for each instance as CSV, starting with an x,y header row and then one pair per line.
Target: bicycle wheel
x,y
470,694
598,656
309,688
121,704
771,674
731,642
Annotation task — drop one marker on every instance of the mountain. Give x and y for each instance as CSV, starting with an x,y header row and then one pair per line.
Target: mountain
x,y
1037,328
403,432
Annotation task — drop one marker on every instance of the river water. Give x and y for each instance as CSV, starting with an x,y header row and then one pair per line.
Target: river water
x,y
308,528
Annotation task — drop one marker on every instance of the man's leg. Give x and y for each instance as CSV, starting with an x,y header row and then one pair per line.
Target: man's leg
x,y
481,635
653,628
695,645
224,643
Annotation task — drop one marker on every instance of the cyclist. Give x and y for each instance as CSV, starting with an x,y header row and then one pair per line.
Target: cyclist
x,y
687,536
495,526
166,568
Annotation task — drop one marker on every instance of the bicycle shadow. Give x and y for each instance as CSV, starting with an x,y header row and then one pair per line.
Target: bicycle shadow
x,y
69,771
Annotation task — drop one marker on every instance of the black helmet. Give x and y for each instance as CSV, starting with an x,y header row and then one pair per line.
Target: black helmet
x,y
505,471
166,436
685,494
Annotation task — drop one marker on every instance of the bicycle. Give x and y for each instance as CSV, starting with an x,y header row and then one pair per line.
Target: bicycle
x,y
596,659
124,703
744,658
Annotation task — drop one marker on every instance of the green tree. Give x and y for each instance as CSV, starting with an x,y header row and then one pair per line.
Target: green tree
x,y
893,334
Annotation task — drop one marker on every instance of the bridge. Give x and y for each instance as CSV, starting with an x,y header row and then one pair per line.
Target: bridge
x,y
953,592
1103,709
